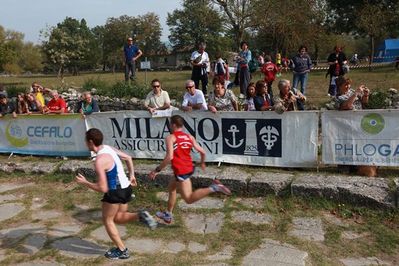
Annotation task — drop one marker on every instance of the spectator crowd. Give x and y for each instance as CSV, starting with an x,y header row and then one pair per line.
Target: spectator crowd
x,y
256,95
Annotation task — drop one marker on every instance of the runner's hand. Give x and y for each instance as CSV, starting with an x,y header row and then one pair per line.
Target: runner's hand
x,y
80,179
133,181
152,175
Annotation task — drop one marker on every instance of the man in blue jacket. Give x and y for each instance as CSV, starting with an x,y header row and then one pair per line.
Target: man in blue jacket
x,y
301,64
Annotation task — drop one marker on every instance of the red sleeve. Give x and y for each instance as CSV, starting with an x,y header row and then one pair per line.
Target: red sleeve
x,y
63,105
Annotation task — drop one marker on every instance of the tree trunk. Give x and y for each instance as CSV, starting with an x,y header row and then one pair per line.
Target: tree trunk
x,y
371,52
61,72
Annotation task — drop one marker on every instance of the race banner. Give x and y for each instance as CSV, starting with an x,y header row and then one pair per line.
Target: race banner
x,y
251,138
367,137
52,135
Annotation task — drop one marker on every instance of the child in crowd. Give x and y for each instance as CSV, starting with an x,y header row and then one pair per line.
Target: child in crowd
x,y
269,69
22,104
220,67
249,104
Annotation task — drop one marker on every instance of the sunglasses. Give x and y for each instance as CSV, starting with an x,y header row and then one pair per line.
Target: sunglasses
x,y
156,86
189,87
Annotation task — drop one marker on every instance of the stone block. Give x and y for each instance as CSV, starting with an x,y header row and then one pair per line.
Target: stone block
x,y
71,167
264,183
363,191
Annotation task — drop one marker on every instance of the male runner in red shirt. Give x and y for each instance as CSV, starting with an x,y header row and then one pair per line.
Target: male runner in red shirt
x,y
178,149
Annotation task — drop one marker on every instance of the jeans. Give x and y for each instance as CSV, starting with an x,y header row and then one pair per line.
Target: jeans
x,y
245,79
130,67
303,79
204,82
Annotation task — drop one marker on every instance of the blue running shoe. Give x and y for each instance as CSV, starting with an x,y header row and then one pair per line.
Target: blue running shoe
x,y
165,216
146,218
117,254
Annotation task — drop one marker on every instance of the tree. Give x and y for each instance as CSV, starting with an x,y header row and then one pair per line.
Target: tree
x,y
344,14
196,22
145,29
31,58
239,17
11,46
68,44
285,28
373,22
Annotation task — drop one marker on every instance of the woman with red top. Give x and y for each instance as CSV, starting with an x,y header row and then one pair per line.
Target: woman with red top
x,y
178,152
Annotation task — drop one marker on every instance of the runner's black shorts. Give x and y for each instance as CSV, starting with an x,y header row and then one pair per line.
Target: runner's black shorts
x,y
118,196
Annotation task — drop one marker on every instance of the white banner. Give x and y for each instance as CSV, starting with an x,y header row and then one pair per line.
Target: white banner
x,y
52,135
367,137
253,138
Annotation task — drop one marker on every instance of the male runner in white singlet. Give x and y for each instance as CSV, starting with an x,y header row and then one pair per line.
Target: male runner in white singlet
x,y
117,189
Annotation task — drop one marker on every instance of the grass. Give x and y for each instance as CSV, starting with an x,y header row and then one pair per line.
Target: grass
x,y
382,227
381,79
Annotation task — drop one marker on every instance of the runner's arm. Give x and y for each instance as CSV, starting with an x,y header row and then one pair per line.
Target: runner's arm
x,y
129,163
101,184
168,157
198,148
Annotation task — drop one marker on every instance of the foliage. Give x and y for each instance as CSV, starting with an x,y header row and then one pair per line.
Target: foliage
x,y
13,91
17,56
196,22
68,44
239,17
378,100
97,83
116,90
145,29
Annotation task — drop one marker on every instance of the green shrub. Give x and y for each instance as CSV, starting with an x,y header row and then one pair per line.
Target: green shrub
x,y
377,100
101,86
13,91
126,90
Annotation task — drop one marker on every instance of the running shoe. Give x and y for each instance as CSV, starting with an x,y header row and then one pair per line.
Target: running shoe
x,y
217,186
117,254
146,218
165,216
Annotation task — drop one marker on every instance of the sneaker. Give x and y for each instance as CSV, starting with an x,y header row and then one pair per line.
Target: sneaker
x,y
146,218
165,216
217,186
116,254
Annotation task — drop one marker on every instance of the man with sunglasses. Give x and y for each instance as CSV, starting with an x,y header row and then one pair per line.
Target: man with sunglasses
x,y
157,99
193,99
131,53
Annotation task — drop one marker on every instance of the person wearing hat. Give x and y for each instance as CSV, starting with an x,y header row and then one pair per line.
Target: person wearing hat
x,y
131,53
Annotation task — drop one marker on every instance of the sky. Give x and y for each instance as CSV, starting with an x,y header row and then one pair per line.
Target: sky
x,y
31,16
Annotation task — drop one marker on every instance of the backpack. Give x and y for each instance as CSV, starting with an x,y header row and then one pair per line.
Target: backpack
x,y
219,68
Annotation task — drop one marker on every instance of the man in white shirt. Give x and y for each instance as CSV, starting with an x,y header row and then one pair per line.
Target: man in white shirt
x,y
193,99
157,99
200,62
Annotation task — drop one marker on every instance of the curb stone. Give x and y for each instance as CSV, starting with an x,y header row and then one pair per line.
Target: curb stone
x,y
396,182
264,183
235,179
362,191
358,190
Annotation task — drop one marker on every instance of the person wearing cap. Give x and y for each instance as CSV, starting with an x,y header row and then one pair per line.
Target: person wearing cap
x,y
131,53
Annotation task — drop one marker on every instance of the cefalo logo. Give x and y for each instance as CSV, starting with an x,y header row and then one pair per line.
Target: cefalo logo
x,y
372,123
14,135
